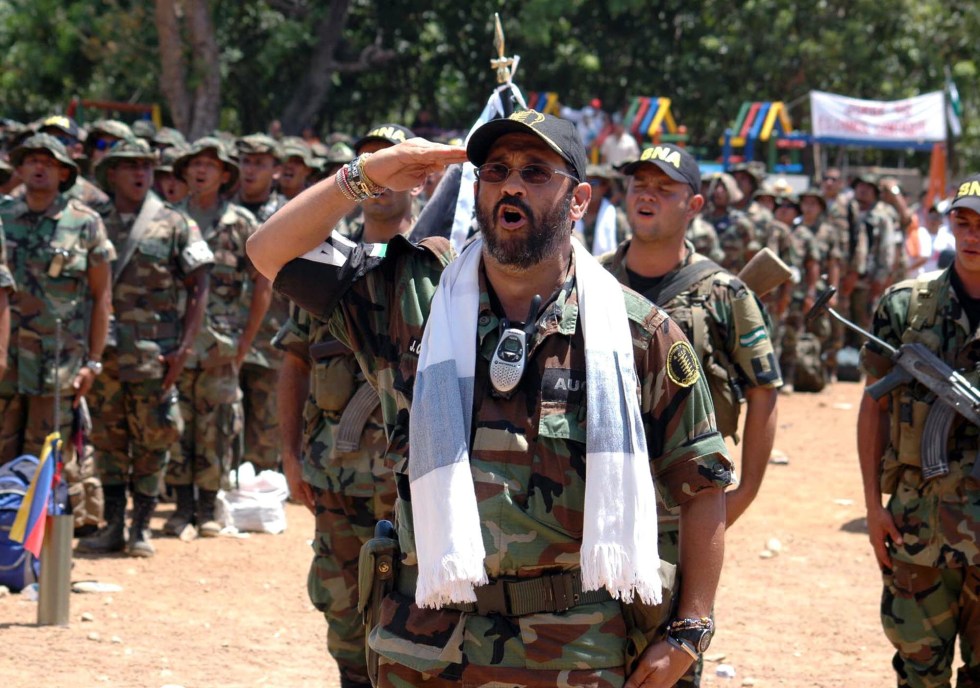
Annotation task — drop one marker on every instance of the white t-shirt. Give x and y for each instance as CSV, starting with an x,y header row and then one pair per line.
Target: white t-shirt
x,y
933,246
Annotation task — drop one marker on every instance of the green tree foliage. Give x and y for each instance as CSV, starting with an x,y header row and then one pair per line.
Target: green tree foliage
x,y
397,57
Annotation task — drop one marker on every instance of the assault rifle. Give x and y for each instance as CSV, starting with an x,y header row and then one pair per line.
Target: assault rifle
x,y
914,361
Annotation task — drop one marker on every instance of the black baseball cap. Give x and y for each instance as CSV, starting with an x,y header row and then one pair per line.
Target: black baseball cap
x,y
967,195
559,134
675,162
389,133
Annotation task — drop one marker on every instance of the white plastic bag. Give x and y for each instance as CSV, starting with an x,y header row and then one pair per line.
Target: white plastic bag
x,y
257,505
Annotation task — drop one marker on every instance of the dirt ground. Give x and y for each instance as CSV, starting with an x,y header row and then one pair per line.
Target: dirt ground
x,y
234,612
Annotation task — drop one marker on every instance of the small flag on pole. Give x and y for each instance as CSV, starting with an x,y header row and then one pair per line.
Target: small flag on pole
x,y
31,519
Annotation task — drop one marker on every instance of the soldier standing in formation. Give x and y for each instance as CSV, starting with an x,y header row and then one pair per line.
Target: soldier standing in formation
x,y
59,255
210,394
159,293
334,443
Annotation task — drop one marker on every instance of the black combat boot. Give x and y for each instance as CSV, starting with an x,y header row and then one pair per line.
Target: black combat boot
x,y
108,538
207,526
183,515
139,544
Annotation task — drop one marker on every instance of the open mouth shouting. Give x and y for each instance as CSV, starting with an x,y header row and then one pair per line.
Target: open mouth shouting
x,y
512,214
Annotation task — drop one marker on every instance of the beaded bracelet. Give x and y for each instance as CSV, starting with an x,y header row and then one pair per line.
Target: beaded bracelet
x,y
374,188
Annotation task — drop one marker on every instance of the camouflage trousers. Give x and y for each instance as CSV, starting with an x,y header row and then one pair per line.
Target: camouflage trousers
x,y
25,421
923,610
392,675
793,326
211,406
343,523
261,422
133,430
859,309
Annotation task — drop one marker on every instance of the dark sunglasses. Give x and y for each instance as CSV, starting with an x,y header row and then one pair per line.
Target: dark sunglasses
x,y
496,173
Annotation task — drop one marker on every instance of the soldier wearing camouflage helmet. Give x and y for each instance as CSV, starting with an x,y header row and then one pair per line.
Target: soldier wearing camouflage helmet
x,y
334,443
59,256
260,160
497,582
159,292
719,315
925,538
210,393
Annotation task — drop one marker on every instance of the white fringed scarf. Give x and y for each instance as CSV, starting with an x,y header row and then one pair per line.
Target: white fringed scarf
x,y
619,543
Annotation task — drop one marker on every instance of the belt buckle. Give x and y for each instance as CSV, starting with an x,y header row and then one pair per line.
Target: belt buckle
x,y
561,592
490,598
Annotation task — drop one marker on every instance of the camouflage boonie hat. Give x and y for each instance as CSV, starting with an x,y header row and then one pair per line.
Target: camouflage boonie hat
x,y
205,144
167,137
754,168
48,143
815,193
765,189
168,156
869,179
601,172
131,148
259,144
295,147
112,127
789,199
339,153
144,129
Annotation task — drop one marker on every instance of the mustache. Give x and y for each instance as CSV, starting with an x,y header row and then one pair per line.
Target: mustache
x,y
515,201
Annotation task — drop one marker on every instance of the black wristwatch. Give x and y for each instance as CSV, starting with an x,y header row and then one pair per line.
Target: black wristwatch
x,y
691,635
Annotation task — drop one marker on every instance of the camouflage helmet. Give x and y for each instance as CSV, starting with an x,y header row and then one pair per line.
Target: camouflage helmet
x,y
220,149
130,148
295,147
167,137
51,145
144,129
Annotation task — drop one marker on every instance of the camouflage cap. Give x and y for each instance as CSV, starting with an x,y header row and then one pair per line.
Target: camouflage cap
x,y
259,144
144,129
63,124
130,148
112,127
57,150
389,133
815,193
295,147
208,143
967,195
167,137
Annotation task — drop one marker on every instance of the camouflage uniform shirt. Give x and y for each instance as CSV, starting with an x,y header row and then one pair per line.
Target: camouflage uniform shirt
x,y
228,306
263,352
940,519
6,277
738,238
75,232
528,462
149,297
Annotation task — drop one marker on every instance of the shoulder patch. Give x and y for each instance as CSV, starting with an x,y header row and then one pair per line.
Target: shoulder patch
x,y
682,364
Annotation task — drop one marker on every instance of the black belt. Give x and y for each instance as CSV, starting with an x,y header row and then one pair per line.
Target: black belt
x,y
547,594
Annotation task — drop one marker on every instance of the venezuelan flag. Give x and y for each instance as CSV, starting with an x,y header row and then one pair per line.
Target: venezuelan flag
x,y
29,525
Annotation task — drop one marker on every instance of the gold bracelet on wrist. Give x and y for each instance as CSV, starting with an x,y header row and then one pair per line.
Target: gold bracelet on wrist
x,y
375,188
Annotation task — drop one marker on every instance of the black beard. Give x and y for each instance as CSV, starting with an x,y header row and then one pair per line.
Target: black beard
x,y
543,238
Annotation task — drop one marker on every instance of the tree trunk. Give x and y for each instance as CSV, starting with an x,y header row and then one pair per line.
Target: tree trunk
x,y
172,63
206,73
197,113
312,91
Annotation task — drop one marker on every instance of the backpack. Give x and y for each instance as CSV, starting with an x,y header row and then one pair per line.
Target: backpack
x,y
810,375
18,567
